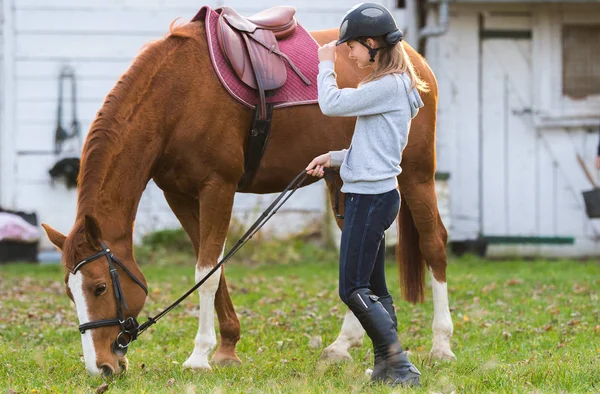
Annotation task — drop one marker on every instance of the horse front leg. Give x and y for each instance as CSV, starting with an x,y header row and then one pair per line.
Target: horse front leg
x,y
216,204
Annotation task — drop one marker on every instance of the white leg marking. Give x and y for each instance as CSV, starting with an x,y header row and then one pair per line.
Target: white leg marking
x,y
442,321
351,335
206,338
87,342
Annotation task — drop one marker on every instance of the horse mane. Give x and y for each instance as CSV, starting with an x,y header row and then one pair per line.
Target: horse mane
x,y
115,117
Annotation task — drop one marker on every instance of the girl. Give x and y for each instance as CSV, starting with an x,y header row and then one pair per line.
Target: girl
x,y
384,104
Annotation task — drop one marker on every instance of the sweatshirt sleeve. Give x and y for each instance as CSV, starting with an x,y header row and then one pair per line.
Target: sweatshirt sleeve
x,y
372,98
337,157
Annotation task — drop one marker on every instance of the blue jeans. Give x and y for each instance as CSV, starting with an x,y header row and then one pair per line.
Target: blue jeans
x,y
362,250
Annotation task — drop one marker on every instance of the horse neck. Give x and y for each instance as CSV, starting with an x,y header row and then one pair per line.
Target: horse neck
x,y
123,144
120,192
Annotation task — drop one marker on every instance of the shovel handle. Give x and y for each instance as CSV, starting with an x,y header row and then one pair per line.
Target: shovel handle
x,y
587,171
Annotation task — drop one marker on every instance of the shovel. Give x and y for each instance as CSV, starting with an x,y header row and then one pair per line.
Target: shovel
x,y
590,197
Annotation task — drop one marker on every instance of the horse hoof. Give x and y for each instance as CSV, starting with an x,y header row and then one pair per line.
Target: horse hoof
x,y
197,364
442,354
335,355
225,360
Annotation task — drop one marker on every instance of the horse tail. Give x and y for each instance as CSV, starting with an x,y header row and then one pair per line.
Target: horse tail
x,y
408,255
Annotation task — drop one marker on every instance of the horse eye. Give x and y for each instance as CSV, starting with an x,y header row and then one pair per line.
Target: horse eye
x,y
100,289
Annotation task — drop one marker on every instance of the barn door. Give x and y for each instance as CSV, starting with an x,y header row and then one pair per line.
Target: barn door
x,y
508,161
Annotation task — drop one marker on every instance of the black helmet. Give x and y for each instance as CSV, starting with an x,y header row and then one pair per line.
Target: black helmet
x,y
369,20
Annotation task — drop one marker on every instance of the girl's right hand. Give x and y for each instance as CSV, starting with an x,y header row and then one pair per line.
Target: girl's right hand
x,y
317,165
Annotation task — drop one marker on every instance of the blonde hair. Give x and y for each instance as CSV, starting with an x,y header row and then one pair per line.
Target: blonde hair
x,y
392,60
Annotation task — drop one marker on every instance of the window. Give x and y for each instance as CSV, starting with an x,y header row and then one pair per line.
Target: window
x,y
581,60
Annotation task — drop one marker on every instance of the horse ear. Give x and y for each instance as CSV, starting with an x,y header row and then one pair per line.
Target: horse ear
x,y
56,237
92,231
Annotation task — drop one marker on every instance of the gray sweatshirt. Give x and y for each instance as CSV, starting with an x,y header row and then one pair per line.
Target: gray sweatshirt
x,y
384,108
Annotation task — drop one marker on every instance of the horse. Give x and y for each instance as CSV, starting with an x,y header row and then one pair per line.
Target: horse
x,y
169,119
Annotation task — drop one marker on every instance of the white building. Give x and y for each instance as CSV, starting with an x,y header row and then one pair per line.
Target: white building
x,y
99,39
519,90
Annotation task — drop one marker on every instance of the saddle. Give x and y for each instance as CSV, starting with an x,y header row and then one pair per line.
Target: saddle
x,y
250,46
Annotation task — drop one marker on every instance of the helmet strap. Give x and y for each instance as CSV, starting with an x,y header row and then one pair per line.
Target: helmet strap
x,y
372,51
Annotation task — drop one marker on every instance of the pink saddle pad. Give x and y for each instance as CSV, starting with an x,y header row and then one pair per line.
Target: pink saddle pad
x,y
300,47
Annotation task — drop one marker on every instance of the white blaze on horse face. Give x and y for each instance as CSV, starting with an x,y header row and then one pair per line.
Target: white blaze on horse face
x,y
87,342
442,321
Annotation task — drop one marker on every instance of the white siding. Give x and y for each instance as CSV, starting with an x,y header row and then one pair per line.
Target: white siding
x,y
454,59
7,152
559,129
99,40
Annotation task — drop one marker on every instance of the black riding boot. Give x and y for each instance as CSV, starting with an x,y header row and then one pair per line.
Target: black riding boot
x,y
379,325
379,369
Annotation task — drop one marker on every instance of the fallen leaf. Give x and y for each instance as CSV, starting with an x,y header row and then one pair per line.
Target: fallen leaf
x,y
561,345
548,327
488,288
102,388
170,382
465,318
513,282
506,335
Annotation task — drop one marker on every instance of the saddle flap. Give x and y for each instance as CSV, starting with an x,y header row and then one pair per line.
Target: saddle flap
x,y
234,48
269,68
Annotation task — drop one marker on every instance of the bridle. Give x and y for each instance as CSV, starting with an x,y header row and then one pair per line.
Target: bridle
x,y
129,326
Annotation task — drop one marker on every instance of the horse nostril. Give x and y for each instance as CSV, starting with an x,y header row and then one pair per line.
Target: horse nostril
x,y
107,370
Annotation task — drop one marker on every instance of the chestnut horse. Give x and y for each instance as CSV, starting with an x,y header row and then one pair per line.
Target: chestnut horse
x,y
169,119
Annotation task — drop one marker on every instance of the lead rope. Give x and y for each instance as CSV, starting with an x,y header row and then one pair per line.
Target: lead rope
x,y
264,218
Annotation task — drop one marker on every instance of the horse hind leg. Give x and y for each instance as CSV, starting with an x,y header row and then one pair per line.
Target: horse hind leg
x,y
421,199
352,333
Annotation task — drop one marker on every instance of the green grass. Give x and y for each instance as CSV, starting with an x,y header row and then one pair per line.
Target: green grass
x,y
520,327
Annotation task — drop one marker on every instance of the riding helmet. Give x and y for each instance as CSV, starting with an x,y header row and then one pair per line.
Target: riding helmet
x,y
369,20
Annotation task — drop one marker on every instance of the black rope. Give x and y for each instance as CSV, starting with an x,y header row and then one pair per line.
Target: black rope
x,y
262,220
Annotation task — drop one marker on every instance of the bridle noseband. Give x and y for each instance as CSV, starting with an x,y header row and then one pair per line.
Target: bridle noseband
x,y
129,326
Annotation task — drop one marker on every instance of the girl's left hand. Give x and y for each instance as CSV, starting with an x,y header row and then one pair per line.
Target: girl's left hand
x,y
327,52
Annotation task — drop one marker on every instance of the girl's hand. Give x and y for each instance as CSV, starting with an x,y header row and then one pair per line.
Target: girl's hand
x,y
598,162
327,52
317,166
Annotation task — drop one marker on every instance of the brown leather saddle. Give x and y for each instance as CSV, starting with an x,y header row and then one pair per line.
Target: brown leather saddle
x,y
250,46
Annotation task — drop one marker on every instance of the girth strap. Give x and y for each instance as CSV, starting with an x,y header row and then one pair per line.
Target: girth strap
x,y
255,148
